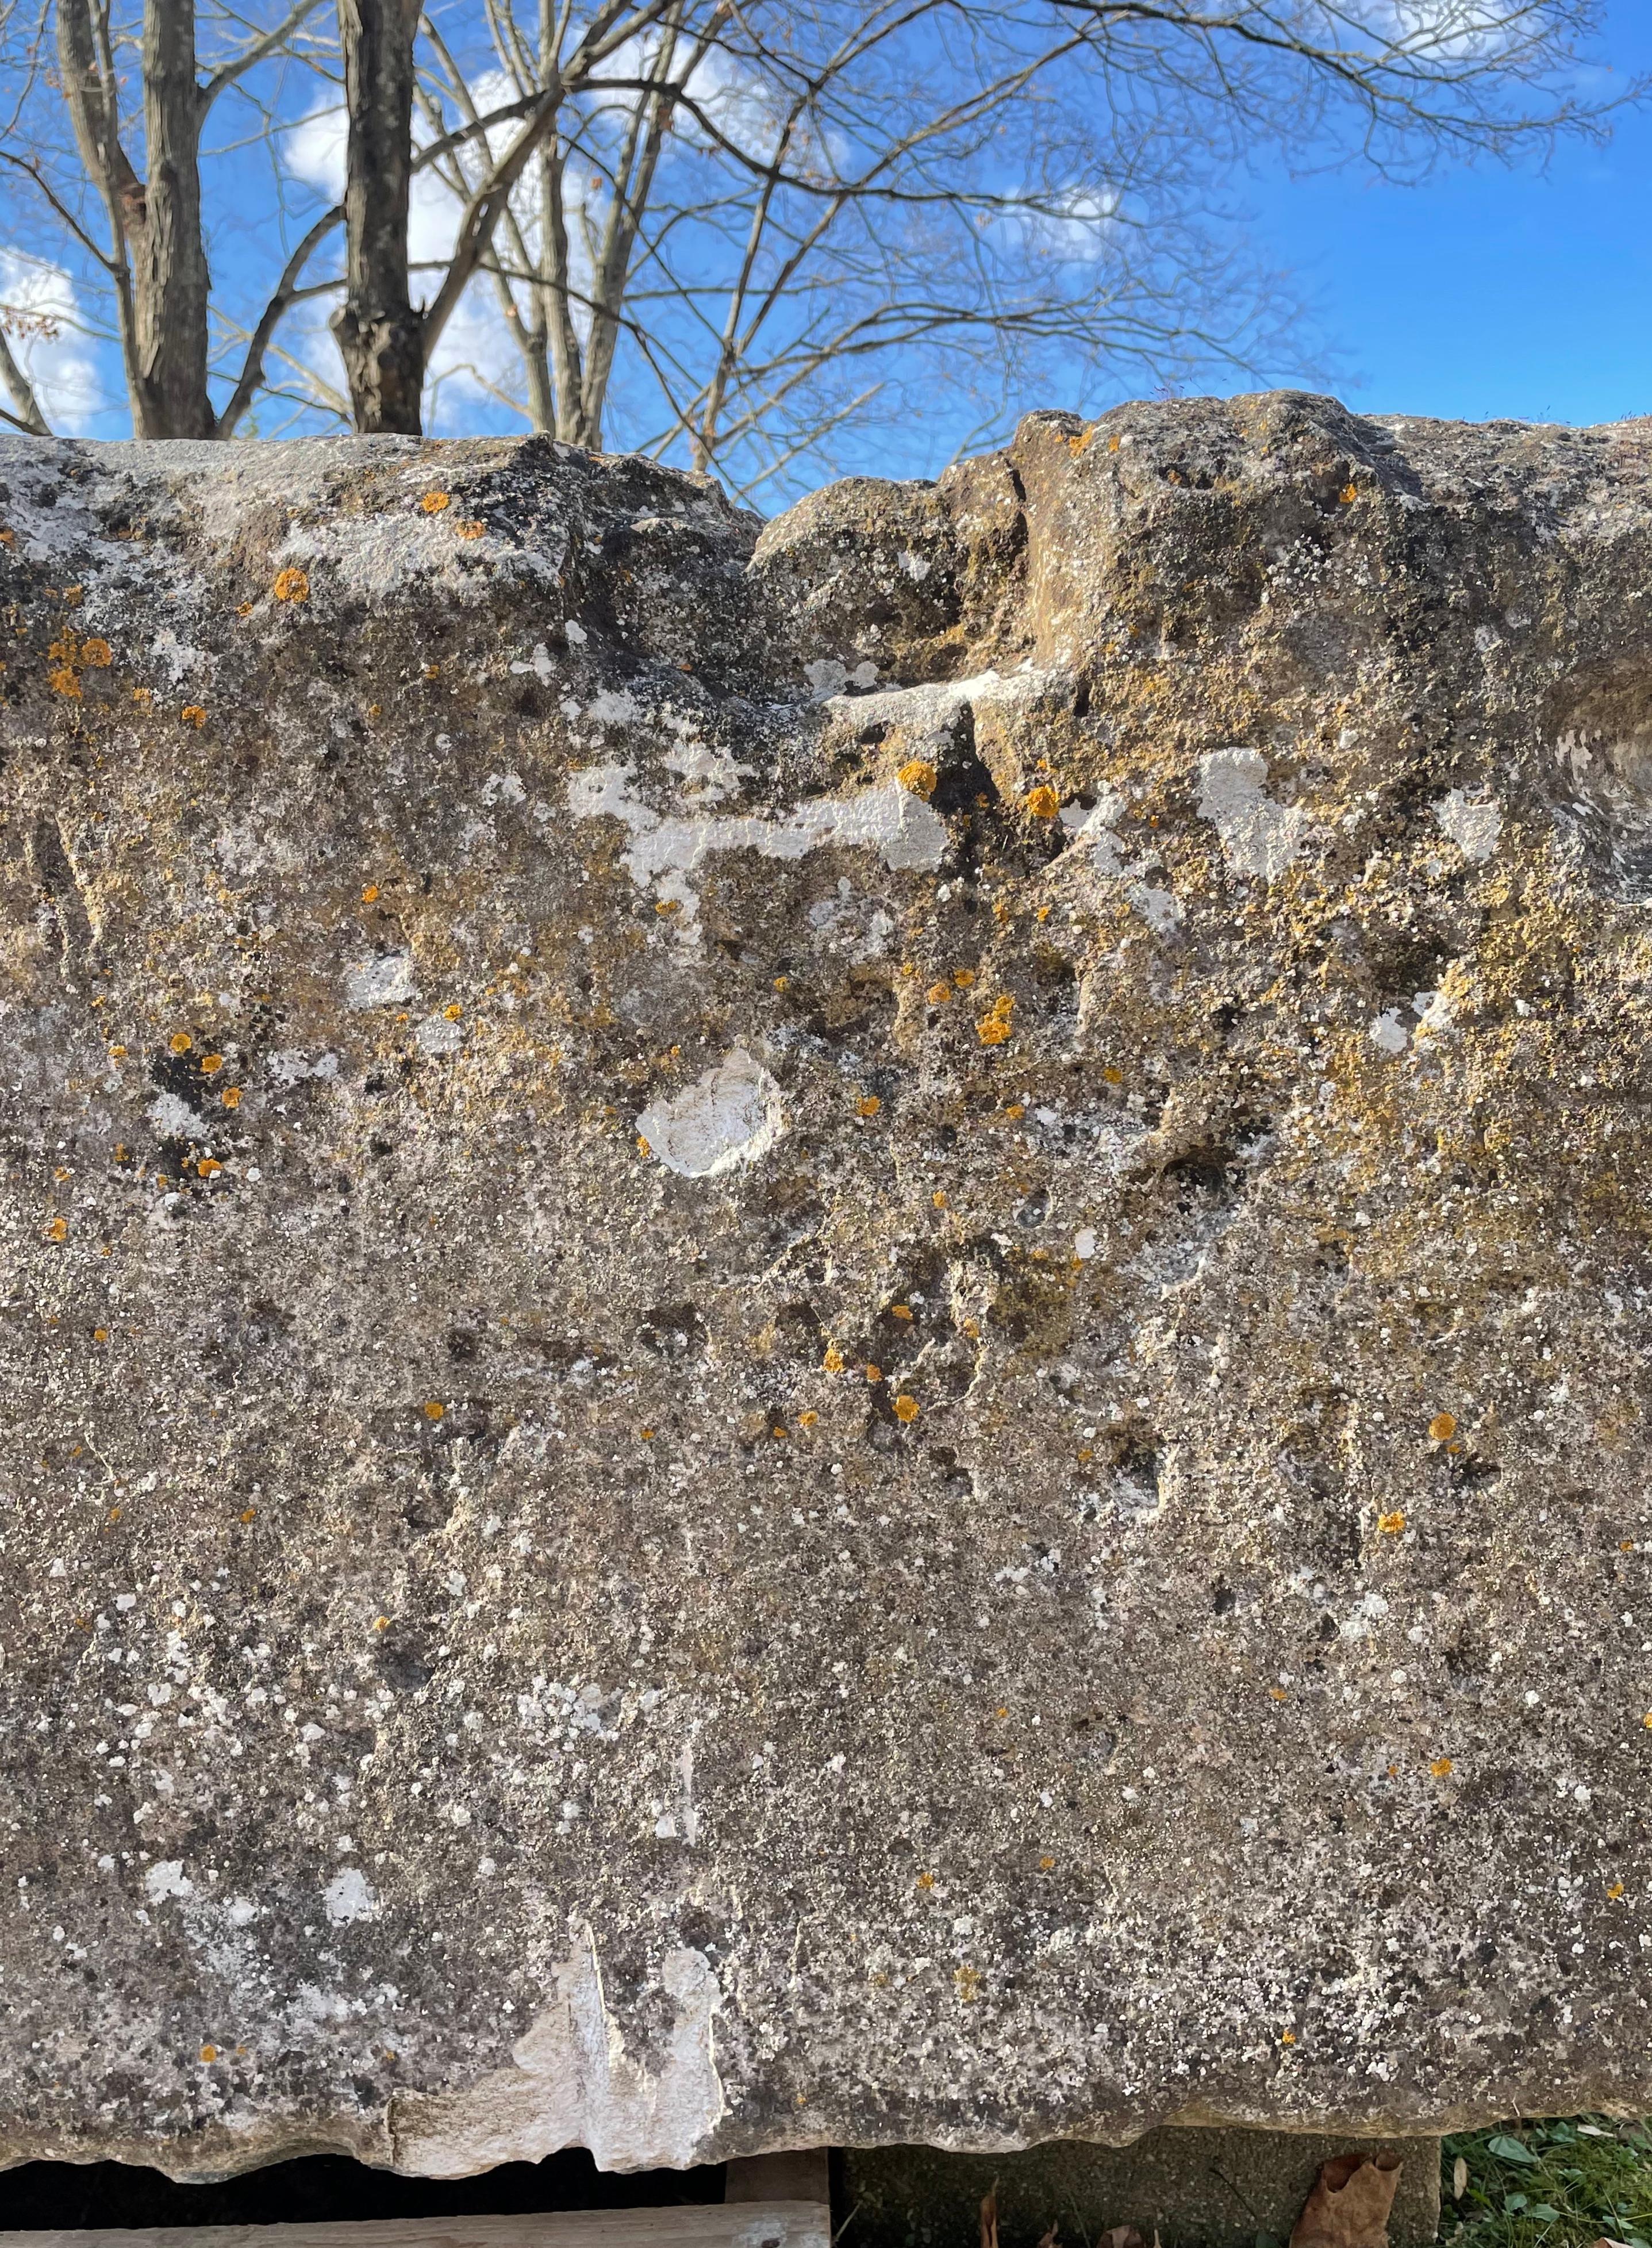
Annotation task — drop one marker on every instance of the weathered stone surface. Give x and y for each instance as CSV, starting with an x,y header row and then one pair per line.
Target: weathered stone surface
x,y
843,1344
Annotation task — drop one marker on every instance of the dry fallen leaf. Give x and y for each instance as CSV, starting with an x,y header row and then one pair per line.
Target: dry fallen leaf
x,y
989,2218
1121,2236
1349,2205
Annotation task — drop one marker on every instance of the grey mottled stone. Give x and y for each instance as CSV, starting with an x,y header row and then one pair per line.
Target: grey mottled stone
x,y
829,1337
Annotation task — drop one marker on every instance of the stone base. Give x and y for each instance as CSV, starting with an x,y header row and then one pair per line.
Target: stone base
x,y
1194,2188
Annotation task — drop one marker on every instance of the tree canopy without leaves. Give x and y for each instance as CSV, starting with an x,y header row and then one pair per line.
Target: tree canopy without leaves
x,y
731,233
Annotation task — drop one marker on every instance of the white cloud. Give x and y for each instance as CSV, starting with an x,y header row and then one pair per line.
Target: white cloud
x,y
45,329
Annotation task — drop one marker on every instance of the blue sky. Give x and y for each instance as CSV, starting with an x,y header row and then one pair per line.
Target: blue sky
x,y
1525,293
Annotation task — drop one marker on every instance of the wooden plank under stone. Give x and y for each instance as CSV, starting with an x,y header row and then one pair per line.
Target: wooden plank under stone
x,y
792,2224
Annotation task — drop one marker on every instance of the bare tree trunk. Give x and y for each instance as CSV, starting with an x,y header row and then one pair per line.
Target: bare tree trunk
x,y
381,336
20,391
172,289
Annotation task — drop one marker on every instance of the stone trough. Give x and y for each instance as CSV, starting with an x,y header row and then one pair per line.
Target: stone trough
x,y
827,1334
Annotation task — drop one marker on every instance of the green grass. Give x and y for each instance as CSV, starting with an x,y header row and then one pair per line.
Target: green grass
x,y
1549,2185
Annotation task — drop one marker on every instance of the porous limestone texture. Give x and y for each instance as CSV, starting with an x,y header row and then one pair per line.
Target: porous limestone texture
x,y
826,1332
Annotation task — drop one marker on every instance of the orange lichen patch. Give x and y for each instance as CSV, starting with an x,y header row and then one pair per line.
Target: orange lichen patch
x,y
100,1335
434,1408
381,1623
59,1229
8,537
370,895
874,1373
180,1042
1079,445
431,671
938,994
208,1166
1443,1428
808,1420
1614,1891
967,1981
781,982
143,694
230,1096
778,1431
193,715
1287,2037
61,679
992,1030
1043,802
1112,1076
924,1881
96,654
1440,1768
249,1514
291,584
939,1198
906,1408
1046,1865
868,1105
1349,494
1391,1525
472,530
899,1311
245,608
918,776
1014,1112
963,977
834,1364
453,1011
1277,1694
211,1063
433,501
646,1435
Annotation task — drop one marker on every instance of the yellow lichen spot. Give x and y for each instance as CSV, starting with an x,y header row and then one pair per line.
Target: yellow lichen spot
x,y
938,995
993,1031
926,1880
370,895
667,904
100,1335
1277,1694
59,1229
1112,1075
808,1420
453,1011
431,671
643,1149
1287,2037
291,584
118,1053
374,709
96,654
209,2052
868,1105
62,681
143,694
434,1408
778,1432
783,983
180,1042
874,1372
967,1981
1440,1768
646,1435
1014,1112
208,1166
906,1408
434,502
211,1063
1042,914
245,608
1349,494
249,1514
381,1623
193,715
1443,1428
899,1311
1614,1891
972,1328
1647,1721
230,1096
472,530
918,778
1046,1865
939,1198
1391,1525
1043,802
8,537
834,1364
963,977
